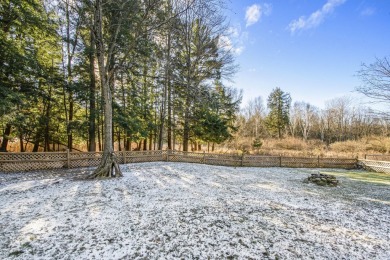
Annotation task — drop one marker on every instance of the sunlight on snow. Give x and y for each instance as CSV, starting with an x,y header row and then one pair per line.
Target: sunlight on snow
x,y
35,229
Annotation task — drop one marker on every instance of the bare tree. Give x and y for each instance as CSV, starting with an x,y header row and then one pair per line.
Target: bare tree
x,y
375,79
294,119
254,115
306,114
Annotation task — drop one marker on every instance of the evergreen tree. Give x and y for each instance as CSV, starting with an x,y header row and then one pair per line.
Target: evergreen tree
x,y
279,104
28,54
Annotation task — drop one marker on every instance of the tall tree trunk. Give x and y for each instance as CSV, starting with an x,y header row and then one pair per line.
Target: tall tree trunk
x,y
21,142
92,97
150,141
37,139
108,162
186,129
6,134
128,141
70,135
119,140
69,80
145,143
167,86
99,134
169,130
47,124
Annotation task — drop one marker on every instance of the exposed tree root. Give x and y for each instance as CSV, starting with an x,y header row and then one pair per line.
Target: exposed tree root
x,y
108,168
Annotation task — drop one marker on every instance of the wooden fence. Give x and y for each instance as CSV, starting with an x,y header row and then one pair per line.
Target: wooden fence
x,y
376,166
18,162
377,157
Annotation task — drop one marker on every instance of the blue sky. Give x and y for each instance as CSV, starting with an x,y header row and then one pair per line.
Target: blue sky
x,y
309,48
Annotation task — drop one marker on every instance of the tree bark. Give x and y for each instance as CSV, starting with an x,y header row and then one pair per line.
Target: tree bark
x,y
108,166
167,87
47,124
186,130
37,139
145,144
69,80
92,97
21,142
169,134
6,134
128,141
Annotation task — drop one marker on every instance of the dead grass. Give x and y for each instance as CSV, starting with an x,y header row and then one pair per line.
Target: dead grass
x,y
290,146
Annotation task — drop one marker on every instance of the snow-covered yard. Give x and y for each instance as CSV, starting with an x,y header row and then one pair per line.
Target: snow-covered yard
x,y
177,210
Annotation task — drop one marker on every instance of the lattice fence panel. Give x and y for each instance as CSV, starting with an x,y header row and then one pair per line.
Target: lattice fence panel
x,y
11,162
223,160
299,162
120,157
144,156
15,162
377,157
343,163
31,156
31,166
85,159
376,166
261,161
190,157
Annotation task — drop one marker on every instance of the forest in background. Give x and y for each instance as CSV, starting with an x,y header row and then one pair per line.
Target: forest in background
x,y
170,69
166,63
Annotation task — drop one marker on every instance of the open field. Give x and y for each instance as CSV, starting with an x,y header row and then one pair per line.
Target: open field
x,y
178,210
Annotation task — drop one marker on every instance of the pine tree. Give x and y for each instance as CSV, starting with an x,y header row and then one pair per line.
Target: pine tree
x,y
279,104
28,49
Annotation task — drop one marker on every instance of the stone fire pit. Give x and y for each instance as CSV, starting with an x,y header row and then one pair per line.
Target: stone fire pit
x,y
323,179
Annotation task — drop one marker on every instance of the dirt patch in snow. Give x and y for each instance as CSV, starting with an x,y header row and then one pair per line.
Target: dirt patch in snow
x,y
177,210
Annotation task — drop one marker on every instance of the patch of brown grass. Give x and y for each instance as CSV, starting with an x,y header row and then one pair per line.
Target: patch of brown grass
x,y
290,146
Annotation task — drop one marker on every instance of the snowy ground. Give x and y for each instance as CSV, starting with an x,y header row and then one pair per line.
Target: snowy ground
x,y
177,210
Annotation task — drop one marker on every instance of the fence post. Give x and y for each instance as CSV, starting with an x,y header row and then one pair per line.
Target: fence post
x,y
67,159
168,151
318,161
357,162
365,157
242,159
280,161
124,157
204,157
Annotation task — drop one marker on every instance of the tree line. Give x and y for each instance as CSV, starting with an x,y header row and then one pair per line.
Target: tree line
x,y
158,70
340,120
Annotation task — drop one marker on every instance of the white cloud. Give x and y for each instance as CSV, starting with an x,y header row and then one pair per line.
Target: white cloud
x,y
233,31
226,43
255,12
368,11
234,40
252,14
316,18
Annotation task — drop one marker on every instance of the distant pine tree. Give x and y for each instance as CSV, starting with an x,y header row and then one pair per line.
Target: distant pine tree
x,y
279,104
